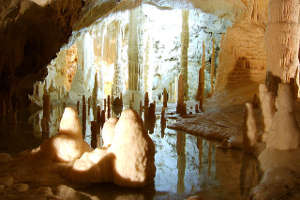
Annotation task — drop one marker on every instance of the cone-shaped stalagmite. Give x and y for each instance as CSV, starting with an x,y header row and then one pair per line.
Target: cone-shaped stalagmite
x,y
200,91
184,50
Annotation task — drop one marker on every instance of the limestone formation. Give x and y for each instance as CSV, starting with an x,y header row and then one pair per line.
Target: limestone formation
x,y
212,68
180,98
134,152
108,107
284,133
200,90
68,145
108,131
267,107
250,135
165,98
95,134
89,105
184,50
83,116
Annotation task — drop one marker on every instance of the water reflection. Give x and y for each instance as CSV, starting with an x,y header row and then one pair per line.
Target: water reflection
x,y
186,165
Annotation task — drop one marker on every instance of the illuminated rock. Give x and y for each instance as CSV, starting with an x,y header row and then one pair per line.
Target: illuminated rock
x,y
284,131
108,131
68,144
134,151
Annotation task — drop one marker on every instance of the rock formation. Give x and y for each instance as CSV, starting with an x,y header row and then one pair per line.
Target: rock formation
x,y
108,131
68,145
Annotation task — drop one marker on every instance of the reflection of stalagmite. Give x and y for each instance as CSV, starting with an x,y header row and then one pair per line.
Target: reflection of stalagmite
x,y
212,68
180,98
181,162
209,158
184,50
200,148
201,83
83,116
165,98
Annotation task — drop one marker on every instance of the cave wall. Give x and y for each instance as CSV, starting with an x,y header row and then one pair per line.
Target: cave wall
x,y
242,59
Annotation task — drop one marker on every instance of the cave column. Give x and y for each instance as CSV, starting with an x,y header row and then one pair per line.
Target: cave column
x,y
282,42
133,51
184,50
117,70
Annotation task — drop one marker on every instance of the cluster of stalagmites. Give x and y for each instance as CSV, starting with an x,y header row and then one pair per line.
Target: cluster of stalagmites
x,y
280,156
126,158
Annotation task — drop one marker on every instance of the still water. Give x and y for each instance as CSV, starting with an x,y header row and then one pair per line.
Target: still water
x,y
186,165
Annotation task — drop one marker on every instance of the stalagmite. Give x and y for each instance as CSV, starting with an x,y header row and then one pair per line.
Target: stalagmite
x,y
267,103
102,118
77,106
250,133
108,107
46,114
95,138
104,105
141,108
284,133
180,98
184,51
196,108
68,145
89,105
165,98
282,42
98,114
200,91
95,95
83,116
212,68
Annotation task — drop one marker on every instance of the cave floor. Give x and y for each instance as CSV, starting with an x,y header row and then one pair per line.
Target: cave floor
x,y
187,165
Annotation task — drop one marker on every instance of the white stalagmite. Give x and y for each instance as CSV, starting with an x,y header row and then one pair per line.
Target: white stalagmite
x,y
284,131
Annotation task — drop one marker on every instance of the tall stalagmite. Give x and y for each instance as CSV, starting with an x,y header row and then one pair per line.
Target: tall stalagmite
x,y
133,51
200,91
180,98
282,41
95,96
212,68
184,50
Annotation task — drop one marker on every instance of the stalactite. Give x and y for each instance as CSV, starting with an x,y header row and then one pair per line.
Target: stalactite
x,y
184,50
83,116
146,67
201,83
212,68
117,71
